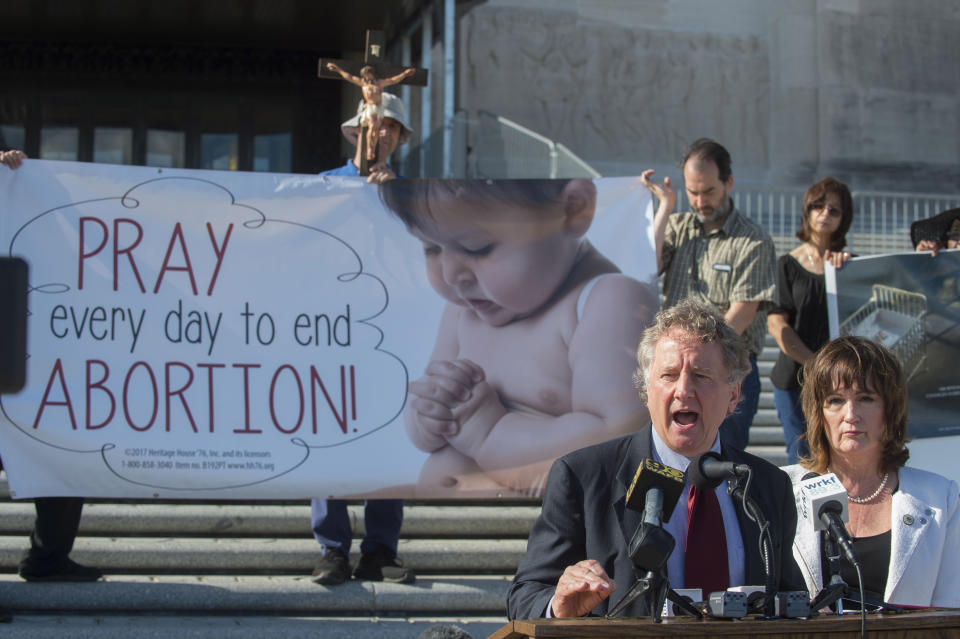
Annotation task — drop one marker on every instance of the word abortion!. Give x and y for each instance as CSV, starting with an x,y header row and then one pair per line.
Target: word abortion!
x,y
285,382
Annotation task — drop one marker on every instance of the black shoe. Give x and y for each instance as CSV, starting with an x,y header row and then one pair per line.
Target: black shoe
x,y
58,570
333,569
5,616
381,565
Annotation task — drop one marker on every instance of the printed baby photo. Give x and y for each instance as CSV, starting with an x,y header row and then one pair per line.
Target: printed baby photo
x,y
536,346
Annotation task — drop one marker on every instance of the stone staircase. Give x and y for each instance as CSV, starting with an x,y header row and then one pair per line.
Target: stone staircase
x,y
205,569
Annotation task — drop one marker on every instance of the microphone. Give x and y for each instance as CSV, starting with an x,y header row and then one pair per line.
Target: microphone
x,y
707,470
655,491
823,503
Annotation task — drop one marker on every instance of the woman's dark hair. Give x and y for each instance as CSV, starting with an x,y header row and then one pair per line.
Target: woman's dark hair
x,y
848,362
815,198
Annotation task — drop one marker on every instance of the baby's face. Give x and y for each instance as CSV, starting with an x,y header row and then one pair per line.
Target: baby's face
x,y
503,264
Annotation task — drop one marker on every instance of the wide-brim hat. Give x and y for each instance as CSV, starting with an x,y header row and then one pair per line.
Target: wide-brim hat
x,y
392,107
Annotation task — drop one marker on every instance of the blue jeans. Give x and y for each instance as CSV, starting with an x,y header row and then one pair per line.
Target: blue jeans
x,y
381,520
790,414
735,429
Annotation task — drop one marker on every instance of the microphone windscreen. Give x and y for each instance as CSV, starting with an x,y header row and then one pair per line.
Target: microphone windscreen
x,y
652,474
696,475
818,491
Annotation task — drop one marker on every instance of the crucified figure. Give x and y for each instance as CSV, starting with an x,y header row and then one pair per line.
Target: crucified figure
x,y
372,89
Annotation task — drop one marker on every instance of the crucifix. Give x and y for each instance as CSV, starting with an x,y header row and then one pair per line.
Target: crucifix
x,y
371,75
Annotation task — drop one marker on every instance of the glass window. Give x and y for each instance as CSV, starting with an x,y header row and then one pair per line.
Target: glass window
x,y
112,145
272,152
166,148
219,151
12,136
59,143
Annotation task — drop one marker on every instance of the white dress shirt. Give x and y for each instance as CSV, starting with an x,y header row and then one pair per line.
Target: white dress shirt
x,y
677,525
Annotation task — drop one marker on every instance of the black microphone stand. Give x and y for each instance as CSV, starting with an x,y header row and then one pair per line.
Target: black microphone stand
x,y
837,589
755,513
649,550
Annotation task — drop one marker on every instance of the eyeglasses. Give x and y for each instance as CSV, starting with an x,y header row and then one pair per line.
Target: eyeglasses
x,y
831,210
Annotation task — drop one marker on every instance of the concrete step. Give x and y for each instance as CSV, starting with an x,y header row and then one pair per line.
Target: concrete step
x,y
272,556
765,436
775,454
268,520
259,594
766,417
236,626
764,367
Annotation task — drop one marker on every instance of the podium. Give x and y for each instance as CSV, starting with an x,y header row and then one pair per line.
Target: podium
x,y
929,622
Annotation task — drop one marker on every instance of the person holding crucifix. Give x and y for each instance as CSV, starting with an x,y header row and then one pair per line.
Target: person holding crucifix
x,y
372,89
329,518
394,131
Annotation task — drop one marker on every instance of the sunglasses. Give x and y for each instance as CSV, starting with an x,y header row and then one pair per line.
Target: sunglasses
x,y
832,211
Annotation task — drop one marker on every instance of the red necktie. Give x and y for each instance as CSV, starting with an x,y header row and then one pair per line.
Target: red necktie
x,y
705,556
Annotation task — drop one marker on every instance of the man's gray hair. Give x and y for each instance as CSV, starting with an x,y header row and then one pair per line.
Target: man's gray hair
x,y
701,322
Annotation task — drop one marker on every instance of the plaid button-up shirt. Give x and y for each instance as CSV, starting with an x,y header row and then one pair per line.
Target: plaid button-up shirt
x,y
735,263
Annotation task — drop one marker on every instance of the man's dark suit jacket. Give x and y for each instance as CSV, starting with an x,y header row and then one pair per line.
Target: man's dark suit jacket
x,y
584,517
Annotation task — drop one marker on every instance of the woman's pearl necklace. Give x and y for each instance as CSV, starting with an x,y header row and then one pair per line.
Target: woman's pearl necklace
x,y
876,493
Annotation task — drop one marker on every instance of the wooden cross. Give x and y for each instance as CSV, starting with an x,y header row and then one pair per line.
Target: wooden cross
x,y
373,57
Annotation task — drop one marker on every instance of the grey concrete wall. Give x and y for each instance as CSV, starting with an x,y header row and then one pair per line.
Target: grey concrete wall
x,y
866,90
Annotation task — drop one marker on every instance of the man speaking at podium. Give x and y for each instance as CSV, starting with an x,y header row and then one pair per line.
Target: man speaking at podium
x,y
577,562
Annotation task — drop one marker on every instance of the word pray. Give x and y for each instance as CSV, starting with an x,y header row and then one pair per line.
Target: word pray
x,y
124,249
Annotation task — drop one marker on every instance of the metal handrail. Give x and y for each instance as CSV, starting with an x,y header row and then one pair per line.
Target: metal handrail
x,y
492,146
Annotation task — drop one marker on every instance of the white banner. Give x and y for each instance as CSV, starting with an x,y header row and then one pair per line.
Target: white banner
x,y
212,334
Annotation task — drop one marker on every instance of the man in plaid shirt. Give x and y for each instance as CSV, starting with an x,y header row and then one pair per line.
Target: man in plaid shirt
x,y
717,255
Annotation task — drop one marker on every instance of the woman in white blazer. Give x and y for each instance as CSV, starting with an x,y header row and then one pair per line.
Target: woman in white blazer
x,y
905,522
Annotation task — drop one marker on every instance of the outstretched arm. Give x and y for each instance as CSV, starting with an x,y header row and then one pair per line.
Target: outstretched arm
x,y
603,402
397,79
349,77
667,200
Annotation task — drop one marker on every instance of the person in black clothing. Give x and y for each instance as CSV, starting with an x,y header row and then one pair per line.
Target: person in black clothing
x,y
799,322
937,232
58,518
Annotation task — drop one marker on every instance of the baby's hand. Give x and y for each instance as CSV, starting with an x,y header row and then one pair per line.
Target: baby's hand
x,y
443,387
476,416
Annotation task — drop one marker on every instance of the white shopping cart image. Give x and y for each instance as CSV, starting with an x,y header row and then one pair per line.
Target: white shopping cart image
x,y
895,318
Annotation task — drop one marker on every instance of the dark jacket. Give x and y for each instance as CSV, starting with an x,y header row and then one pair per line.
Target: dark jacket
x,y
584,517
